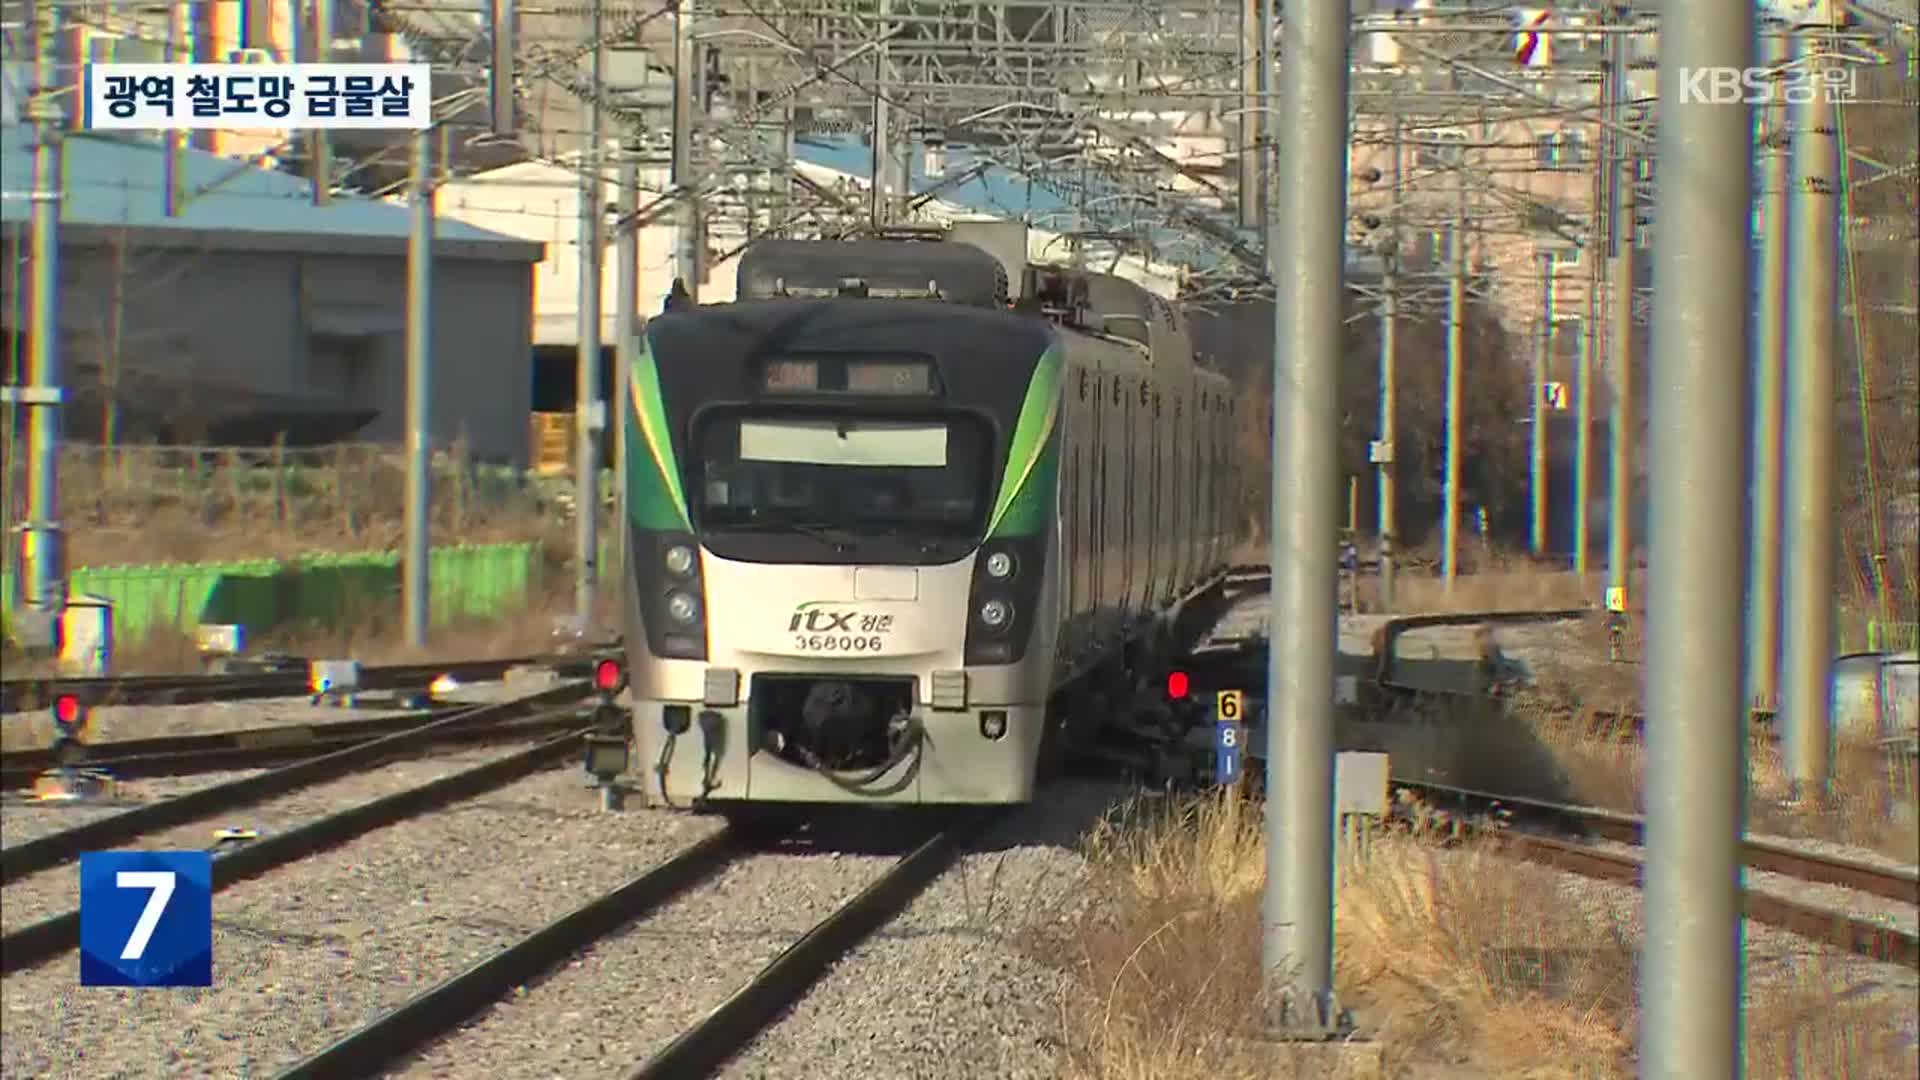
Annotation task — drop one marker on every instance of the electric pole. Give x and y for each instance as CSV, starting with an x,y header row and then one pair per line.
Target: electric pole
x,y
1456,361
1769,392
45,563
417,569
688,258
1542,359
587,405
1621,245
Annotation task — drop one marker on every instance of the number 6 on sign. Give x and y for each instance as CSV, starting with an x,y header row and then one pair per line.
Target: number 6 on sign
x,y
1227,705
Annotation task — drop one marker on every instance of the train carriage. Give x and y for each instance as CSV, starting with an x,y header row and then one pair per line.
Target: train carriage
x,y
879,518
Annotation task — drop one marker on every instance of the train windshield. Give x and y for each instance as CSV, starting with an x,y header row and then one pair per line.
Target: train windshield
x,y
861,475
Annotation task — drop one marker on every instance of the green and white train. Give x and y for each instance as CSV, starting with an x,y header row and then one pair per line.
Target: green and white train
x,y
885,524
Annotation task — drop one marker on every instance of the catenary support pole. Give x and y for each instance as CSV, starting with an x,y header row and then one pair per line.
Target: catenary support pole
x,y
1590,325
1268,123
319,144
687,239
1769,395
415,586
1537,448
626,322
1248,120
1807,615
586,552
1389,320
44,549
174,198
1456,377
880,206
503,25
1692,966
1308,270
1621,422
1389,379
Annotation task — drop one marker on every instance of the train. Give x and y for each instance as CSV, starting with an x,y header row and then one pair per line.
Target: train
x,y
901,519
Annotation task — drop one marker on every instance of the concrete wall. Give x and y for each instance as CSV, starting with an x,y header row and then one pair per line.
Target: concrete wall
x,y
247,321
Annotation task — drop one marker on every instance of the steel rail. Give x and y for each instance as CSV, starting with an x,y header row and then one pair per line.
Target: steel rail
x,y
14,762
51,850
220,753
35,944
440,1010
1859,936
1766,856
733,1025
21,695
1862,936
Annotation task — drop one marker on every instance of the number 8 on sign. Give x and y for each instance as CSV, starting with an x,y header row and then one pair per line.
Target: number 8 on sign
x,y
146,918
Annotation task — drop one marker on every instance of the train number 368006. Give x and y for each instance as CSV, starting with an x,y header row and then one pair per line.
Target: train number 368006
x,y
847,643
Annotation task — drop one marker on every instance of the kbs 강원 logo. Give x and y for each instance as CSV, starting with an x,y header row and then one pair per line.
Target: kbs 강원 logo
x,y
146,918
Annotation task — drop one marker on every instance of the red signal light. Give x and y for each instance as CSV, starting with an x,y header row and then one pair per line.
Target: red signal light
x,y
607,675
67,711
1177,684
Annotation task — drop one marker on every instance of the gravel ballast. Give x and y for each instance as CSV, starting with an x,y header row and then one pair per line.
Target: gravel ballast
x,y
306,954
607,1010
24,818
952,987
55,890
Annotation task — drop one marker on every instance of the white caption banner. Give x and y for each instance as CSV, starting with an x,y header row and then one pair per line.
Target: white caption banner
x,y
243,97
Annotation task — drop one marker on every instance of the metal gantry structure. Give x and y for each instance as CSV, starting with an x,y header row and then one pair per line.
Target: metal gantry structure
x,y
1168,130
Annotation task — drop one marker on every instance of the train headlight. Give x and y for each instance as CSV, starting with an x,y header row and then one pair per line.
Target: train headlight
x,y
682,607
1000,566
679,560
996,614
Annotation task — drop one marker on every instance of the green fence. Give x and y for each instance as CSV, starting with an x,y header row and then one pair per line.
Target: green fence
x,y
468,581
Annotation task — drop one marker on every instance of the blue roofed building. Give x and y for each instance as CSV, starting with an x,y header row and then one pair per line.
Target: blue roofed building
x,y
253,313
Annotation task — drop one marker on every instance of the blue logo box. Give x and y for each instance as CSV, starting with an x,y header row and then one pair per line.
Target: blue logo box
x,y
146,918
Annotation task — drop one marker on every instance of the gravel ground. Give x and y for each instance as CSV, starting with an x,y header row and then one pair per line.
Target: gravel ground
x,y
53,891
308,953
632,993
947,990
23,819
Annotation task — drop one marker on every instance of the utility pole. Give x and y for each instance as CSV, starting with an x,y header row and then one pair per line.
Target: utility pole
x,y
586,552
1308,269
45,562
1389,355
176,138
879,206
687,255
1542,359
1692,965
1813,216
626,302
503,23
1251,173
1620,247
1590,327
417,569
1268,124
319,146
1456,361
1769,394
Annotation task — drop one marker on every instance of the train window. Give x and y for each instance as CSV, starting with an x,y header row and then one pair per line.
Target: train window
x,y
1116,389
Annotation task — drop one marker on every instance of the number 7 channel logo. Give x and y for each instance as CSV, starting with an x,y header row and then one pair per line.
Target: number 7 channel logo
x,y
146,918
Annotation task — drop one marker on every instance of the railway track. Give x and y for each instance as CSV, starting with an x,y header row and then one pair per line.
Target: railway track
x,y
710,1042
39,942
22,695
1572,852
475,723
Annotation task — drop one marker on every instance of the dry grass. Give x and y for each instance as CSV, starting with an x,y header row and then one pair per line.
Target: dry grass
x,y
1455,965
140,505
